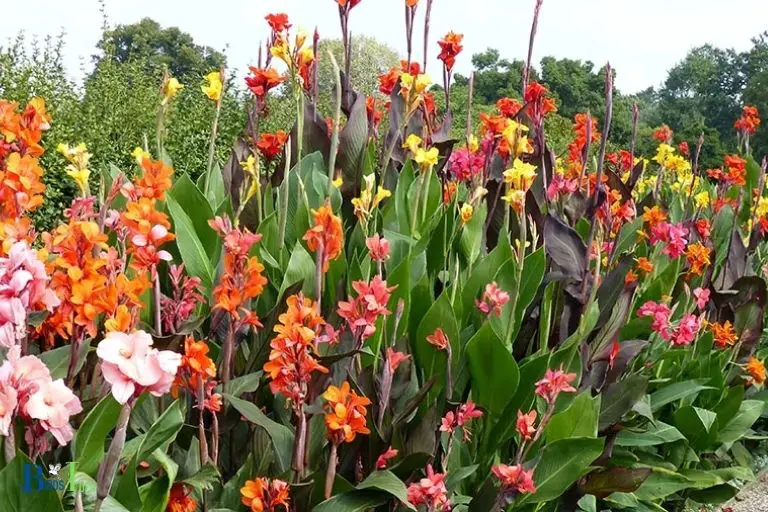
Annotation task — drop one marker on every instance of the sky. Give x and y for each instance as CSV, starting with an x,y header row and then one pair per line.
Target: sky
x,y
642,39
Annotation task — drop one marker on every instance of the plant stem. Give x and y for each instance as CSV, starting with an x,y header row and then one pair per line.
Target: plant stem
x,y
201,423
212,148
283,196
109,466
425,194
228,349
330,475
300,442
319,276
336,121
158,308
520,262
10,445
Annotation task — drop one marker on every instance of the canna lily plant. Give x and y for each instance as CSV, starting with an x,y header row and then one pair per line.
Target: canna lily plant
x,y
369,312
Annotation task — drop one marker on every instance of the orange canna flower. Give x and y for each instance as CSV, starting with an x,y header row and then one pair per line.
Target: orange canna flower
x,y
439,340
21,188
327,233
450,47
698,258
271,144
756,370
630,278
263,80
155,180
663,134
180,499
653,216
121,321
389,80
265,495
724,334
644,265
345,413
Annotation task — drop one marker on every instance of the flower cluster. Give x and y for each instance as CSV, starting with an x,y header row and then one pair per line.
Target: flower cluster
x,y
265,495
430,491
196,373
362,312
326,235
45,405
492,300
681,333
461,418
749,121
345,413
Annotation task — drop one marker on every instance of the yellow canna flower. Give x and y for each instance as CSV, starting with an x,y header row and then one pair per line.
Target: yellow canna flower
x,y
214,86
171,88
762,207
301,37
515,199
280,50
474,145
80,176
381,194
406,83
521,175
422,83
412,143
139,154
338,181
426,158
466,212
702,199
251,166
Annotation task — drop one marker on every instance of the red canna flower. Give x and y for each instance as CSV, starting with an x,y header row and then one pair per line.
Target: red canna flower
x,y
438,339
663,134
271,144
180,499
263,80
388,81
554,383
383,459
538,104
352,3
278,22
684,149
508,107
450,47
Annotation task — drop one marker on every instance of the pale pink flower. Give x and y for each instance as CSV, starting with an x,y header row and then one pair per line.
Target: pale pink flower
x,y
53,404
526,424
554,383
8,403
25,374
131,365
702,297
378,247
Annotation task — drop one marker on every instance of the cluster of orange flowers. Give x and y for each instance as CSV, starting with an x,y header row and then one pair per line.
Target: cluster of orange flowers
x,y
576,148
697,255
243,277
327,234
749,120
292,358
265,495
735,172
723,334
197,369
21,188
345,413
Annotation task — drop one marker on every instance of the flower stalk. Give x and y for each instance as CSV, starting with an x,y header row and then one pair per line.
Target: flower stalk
x,y
108,467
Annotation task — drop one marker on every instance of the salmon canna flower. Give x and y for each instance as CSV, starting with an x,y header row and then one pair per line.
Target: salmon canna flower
x,y
439,340
514,479
383,459
526,424
345,413
327,232
461,419
554,383
493,299
430,491
378,248
265,495
362,312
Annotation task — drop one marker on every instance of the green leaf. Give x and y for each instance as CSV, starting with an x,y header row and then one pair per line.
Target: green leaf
x,y
190,246
482,275
57,360
20,490
281,436
494,371
229,495
607,481
579,420
472,234
533,274
205,478
301,268
676,391
90,439
354,501
406,178
456,476
243,384
87,487
698,425
749,412
661,483
628,236
155,494
387,481
619,398
659,433
198,208
562,463
430,359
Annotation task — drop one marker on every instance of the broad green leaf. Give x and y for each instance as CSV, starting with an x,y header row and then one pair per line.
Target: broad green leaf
x,y
57,360
494,371
533,274
199,210
281,436
578,420
657,434
456,476
87,487
243,384
228,496
430,359
605,482
562,463
154,495
353,501
749,412
472,234
301,268
190,246
676,391
205,478
90,440
387,481
21,488
628,236
406,178
698,425
661,483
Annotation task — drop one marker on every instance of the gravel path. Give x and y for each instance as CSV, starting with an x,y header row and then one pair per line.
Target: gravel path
x,y
753,498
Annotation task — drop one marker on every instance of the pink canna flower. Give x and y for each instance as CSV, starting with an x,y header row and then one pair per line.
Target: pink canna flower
x,y
8,402
660,314
236,242
493,299
25,374
676,241
554,383
685,332
430,491
132,366
465,164
561,186
526,424
378,248
362,312
23,288
514,478
52,404
702,297
461,419
395,358
383,459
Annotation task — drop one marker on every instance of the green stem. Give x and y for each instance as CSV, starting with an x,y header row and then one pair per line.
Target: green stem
x,y
425,194
520,263
336,121
212,147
